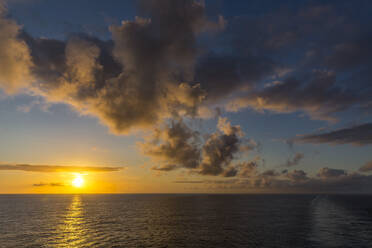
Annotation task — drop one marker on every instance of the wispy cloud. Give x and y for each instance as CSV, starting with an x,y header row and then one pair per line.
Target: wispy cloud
x,y
357,135
295,160
56,168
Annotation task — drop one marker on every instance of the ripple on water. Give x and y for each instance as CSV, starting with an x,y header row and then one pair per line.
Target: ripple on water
x,y
185,221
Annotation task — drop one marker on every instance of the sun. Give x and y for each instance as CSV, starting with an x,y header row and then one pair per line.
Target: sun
x,y
78,181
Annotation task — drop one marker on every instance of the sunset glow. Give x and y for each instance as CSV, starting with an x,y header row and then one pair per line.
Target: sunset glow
x,y
185,96
178,123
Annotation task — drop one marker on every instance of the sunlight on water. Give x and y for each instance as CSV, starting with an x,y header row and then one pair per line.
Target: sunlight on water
x,y
72,232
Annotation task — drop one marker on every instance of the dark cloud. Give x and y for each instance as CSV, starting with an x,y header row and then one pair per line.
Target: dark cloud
x,y
297,175
230,171
319,97
247,169
319,77
296,181
295,160
56,168
221,75
327,180
351,54
177,146
220,148
357,135
269,173
157,66
145,74
367,167
167,167
330,173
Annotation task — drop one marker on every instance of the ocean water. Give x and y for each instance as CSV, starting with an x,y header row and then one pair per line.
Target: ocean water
x,y
185,221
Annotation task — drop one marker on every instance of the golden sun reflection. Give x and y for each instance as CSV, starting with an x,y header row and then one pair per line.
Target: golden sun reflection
x,y
72,231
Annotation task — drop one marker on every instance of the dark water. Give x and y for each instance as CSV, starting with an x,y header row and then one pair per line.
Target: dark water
x,y
185,221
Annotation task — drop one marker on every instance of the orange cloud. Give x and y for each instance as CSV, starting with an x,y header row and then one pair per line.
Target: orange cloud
x,y
56,168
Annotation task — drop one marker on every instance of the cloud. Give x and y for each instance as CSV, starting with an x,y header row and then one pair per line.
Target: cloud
x,y
367,167
330,173
297,175
297,181
220,148
319,98
15,58
295,160
357,135
162,68
323,77
189,181
247,169
221,75
167,167
141,76
55,168
157,66
230,171
177,146
41,184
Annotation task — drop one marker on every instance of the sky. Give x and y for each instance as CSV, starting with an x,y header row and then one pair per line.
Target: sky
x,y
185,96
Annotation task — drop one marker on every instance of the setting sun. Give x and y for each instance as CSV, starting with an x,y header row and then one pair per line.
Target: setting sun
x,y
78,181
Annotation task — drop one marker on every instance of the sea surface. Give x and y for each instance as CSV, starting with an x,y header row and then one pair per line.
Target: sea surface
x,y
185,221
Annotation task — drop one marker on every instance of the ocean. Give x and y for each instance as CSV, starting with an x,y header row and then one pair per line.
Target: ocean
x,y
171,220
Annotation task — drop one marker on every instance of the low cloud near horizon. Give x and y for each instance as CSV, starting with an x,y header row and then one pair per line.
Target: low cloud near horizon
x,y
41,184
56,168
327,180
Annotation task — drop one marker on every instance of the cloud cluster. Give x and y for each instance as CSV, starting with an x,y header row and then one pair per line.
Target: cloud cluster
x,y
156,72
55,168
156,67
145,74
247,169
318,77
177,146
220,148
